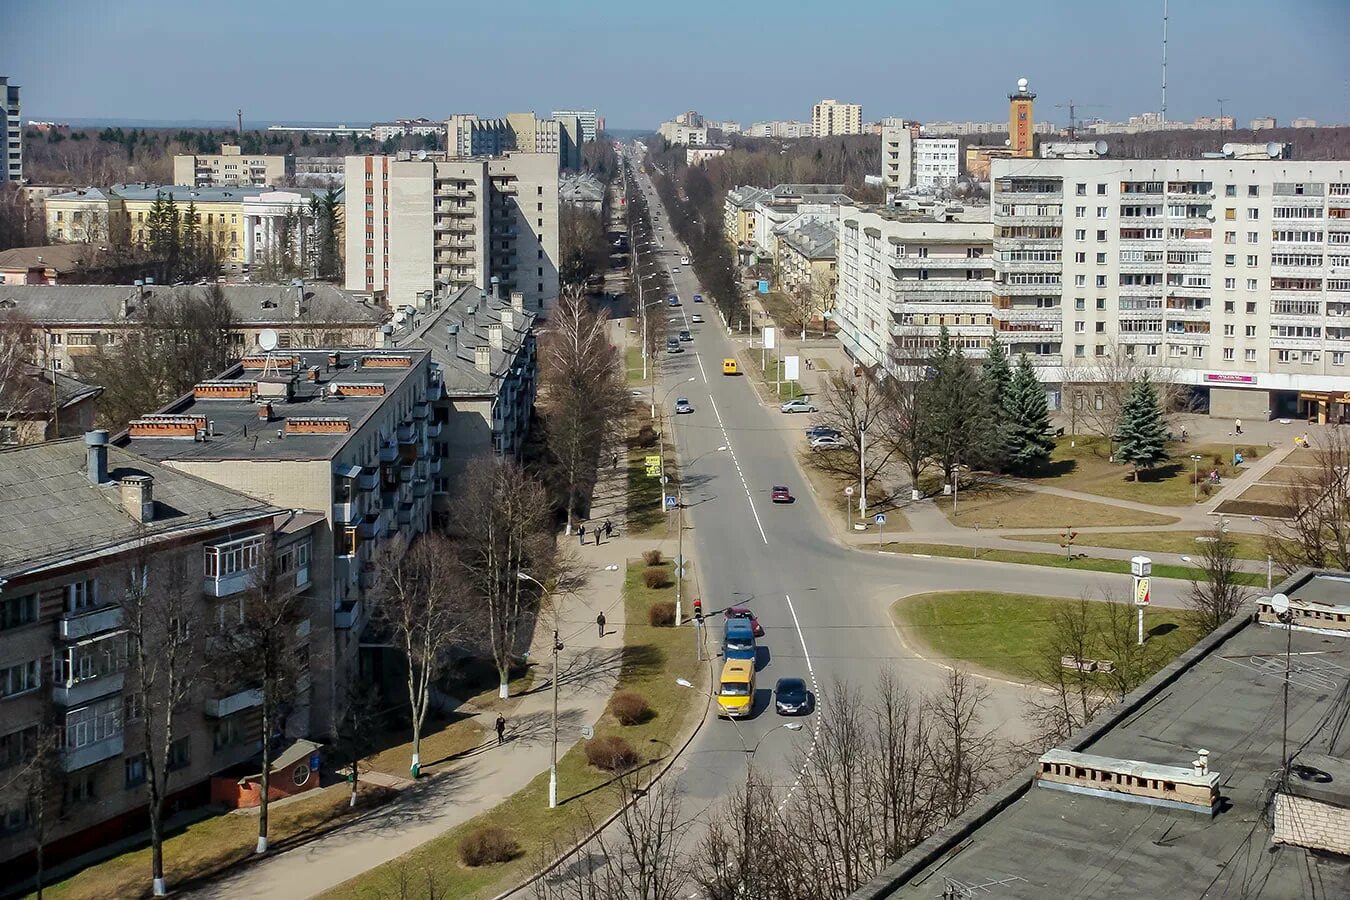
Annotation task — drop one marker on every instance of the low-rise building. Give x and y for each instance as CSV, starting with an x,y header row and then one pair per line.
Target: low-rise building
x,y
1262,123
68,323
583,190
87,215
53,264
84,528
40,404
232,167
697,156
751,215
738,213
808,259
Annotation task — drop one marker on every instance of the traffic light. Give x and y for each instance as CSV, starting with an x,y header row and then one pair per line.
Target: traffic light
x,y
698,609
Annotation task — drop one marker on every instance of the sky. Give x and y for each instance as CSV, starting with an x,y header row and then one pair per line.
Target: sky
x,y
638,62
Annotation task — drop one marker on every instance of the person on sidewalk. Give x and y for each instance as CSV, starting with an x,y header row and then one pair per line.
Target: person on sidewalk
x,y
581,535
600,624
609,529
616,460
501,729
597,535
1237,426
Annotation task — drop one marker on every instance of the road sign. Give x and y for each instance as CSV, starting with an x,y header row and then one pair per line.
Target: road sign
x,y
770,335
1141,597
1141,566
763,285
653,464
848,491
587,732
792,368
880,519
671,502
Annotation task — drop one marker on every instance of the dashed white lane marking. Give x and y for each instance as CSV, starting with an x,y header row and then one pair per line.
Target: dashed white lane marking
x,y
815,718
726,439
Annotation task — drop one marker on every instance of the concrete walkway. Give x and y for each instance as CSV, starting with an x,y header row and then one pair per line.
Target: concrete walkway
x,y
484,776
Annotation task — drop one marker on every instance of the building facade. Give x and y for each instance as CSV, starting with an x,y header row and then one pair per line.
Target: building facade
x,y
1230,275
897,155
937,163
232,167
1021,121
689,135
11,159
469,135
903,275
39,404
586,121
438,224
420,127
830,118
807,260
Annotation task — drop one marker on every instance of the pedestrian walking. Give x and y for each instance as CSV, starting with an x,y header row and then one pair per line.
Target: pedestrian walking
x,y
501,729
1306,443
581,535
609,528
616,460
600,624
597,535
1237,426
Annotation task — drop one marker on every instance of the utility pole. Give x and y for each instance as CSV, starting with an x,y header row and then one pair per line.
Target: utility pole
x,y
553,764
239,113
1222,101
862,474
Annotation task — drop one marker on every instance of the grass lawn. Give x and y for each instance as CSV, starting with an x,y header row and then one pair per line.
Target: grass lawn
x,y
632,358
1055,560
1008,632
996,506
1249,546
1082,463
830,488
653,659
788,390
1283,474
212,844
644,513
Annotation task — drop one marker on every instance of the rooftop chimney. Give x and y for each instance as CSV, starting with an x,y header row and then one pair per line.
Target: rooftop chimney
x,y
264,412
495,336
518,301
482,359
138,497
386,336
509,318
452,337
96,453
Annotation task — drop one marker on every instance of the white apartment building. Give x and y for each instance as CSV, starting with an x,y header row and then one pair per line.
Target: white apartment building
x,y
830,117
1231,275
689,135
231,167
897,155
435,224
586,119
905,274
419,127
937,163
11,153
470,135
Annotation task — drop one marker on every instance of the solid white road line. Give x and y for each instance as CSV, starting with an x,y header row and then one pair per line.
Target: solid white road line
x,y
815,688
726,440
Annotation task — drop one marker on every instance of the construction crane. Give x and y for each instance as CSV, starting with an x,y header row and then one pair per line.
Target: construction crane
x,y
1073,116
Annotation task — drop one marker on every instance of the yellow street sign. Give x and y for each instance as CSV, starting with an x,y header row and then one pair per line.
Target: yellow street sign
x,y
1141,597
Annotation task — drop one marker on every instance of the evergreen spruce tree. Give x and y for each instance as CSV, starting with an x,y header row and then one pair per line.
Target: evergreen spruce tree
x,y
190,242
996,376
998,373
1141,435
1028,421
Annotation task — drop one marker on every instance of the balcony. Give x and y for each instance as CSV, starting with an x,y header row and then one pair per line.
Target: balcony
x,y
959,263
369,529
388,453
422,489
940,308
421,410
347,513
1188,314
405,516
407,433
97,752
434,430
75,626
1028,314
348,615
220,707
1024,197
75,693
1029,290
1031,330
1188,290
369,481
434,466
346,569
1298,343
227,585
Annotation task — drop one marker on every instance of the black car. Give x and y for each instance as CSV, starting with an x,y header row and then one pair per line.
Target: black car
x,y
791,698
818,431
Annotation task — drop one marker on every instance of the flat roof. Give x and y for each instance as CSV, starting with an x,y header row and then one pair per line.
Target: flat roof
x,y
1225,696
239,433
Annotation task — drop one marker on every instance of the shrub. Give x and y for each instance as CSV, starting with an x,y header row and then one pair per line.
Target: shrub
x,y
611,753
662,614
487,845
630,708
646,436
655,577
651,557
1206,488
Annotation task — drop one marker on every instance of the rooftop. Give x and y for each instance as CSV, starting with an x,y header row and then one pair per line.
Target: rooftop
x,y
1224,696
258,305
50,510
185,192
457,324
60,258
814,240
33,388
926,212
583,188
309,419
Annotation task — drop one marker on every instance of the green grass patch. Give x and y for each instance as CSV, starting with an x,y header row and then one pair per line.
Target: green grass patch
x,y
644,513
1009,633
997,506
1056,560
1083,463
632,359
768,374
652,659
1249,546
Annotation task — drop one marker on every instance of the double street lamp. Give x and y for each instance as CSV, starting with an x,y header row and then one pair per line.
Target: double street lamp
x,y
557,646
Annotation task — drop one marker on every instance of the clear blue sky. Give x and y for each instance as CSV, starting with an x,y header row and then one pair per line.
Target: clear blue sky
x,y
638,62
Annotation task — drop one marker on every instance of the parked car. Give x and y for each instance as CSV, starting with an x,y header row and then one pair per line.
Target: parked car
x,y
816,431
674,301
780,494
683,406
675,271
685,335
798,406
743,612
827,442
790,697
698,298
673,345
684,260
696,318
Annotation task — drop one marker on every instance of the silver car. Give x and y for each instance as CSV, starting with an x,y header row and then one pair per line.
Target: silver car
x,y
798,406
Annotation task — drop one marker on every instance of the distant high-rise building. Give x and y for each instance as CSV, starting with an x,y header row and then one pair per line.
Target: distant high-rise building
x,y
470,135
1263,123
11,154
586,117
1020,126
897,154
231,167
1303,123
830,117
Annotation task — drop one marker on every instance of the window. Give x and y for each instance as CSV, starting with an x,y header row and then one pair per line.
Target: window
x,y
1230,214
1080,257
1253,191
1230,284
1101,236
1251,307
1229,306
1101,303
1101,350
1197,352
1079,303
1079,212
135,771
1338,357
1230,259
133,707
1228,330
1249,355
1252,260
1079,350
15,612
1251,285
1230,190
1080,234
1253,237
1101,189
180,754
1284,356
1101,281
96,722
1101,327
227,733
18,747
232,557
1230,237
1080,280
80,787
82,595
1080,189
1228,354
1253,214
1079,327
20,678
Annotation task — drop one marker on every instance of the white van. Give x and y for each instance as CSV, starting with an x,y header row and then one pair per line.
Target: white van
x,y
684,260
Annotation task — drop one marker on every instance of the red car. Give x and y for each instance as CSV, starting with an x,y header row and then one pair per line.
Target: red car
x,y
780,494
743,612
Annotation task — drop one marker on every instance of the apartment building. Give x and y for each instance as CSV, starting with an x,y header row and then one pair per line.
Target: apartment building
x,y
85,526
830,118
586,121
87,216
689,135
232,167
749,214
583,190
897,154
780,129
420,127
1231,275
469,135
807,259
937,163
11,157
42,404
69,323
773,218
906,273
428,223
339,434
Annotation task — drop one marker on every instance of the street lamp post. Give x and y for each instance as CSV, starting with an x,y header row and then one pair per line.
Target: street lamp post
x,y
1195,477
862,474
746,748
557,645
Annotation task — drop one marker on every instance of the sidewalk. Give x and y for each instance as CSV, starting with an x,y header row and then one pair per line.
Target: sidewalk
x,y
484,776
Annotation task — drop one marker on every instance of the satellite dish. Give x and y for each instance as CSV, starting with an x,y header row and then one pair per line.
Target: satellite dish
x,y
1274,149
1279,603
422,155
1100,147
267,339
1228,149
1022,85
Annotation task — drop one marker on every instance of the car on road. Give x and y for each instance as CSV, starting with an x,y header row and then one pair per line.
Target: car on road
x,y
816,431
675,271
798,406
736,689
698,298
780,494
682,406
790,697
696,318
685,335
684,260
738,640
828,442
743,612
673,345
674,301
729,367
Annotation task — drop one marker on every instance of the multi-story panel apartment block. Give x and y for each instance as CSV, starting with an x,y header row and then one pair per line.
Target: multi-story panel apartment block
x,y
420,224
830,117
937,163
897,155
468,135
905,274
87,530
232,167
339,434
688,135
586,120
1231,274
68,323
419,127
11,155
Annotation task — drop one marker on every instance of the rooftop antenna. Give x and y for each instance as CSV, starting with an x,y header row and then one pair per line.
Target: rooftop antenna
x,y
267,340
1222,101
1164,66
1279,604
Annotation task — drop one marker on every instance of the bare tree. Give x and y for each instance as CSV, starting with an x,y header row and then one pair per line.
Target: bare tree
x,y
744,853
501,523
1096,389
39,785
1131,663
905,427
1216,595
1072,698
24,392
856,407
165,665
417,602
1316,532
963,749
357,733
